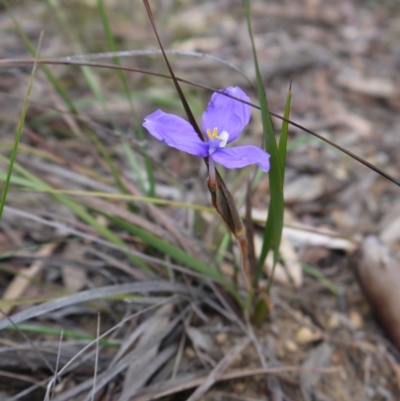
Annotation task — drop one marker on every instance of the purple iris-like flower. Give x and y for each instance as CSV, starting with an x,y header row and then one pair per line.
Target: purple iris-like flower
x,y
222,122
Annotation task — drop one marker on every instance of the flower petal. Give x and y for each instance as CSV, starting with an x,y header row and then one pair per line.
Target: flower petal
x,y
175,132
227,114
242,156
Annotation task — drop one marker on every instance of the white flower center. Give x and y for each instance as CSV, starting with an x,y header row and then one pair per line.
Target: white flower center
x,y
223,137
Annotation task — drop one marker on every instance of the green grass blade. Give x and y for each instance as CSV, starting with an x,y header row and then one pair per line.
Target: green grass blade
x,y
282,146
312,271
274,224
175,253
18,135
269,226
52,331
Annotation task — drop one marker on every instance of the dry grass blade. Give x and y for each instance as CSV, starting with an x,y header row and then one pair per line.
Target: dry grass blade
x,y
252,336
245,327
12,62
38,385
146,326
116,210
11,375
66,229
97,359
135,273
77,357
142,369
219,369
105,377
32,345
52,383
90,295
161,217
132,53
186,382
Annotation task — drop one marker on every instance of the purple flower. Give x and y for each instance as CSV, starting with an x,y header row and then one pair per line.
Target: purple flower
x,y
222,122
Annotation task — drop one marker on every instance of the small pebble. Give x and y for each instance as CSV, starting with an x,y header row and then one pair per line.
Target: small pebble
x,y
189,352
291,346
334,322
336,357
221,338
239,387
356,319
306,335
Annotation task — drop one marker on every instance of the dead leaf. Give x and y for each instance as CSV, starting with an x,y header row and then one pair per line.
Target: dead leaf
x,y
379,276
22,281
374,86
305,188
390,233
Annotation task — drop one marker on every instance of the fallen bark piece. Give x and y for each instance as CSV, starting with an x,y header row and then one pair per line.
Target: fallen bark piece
x,y
379,276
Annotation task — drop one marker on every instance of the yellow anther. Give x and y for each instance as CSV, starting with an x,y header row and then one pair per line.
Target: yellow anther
x,y
214,134
224,137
